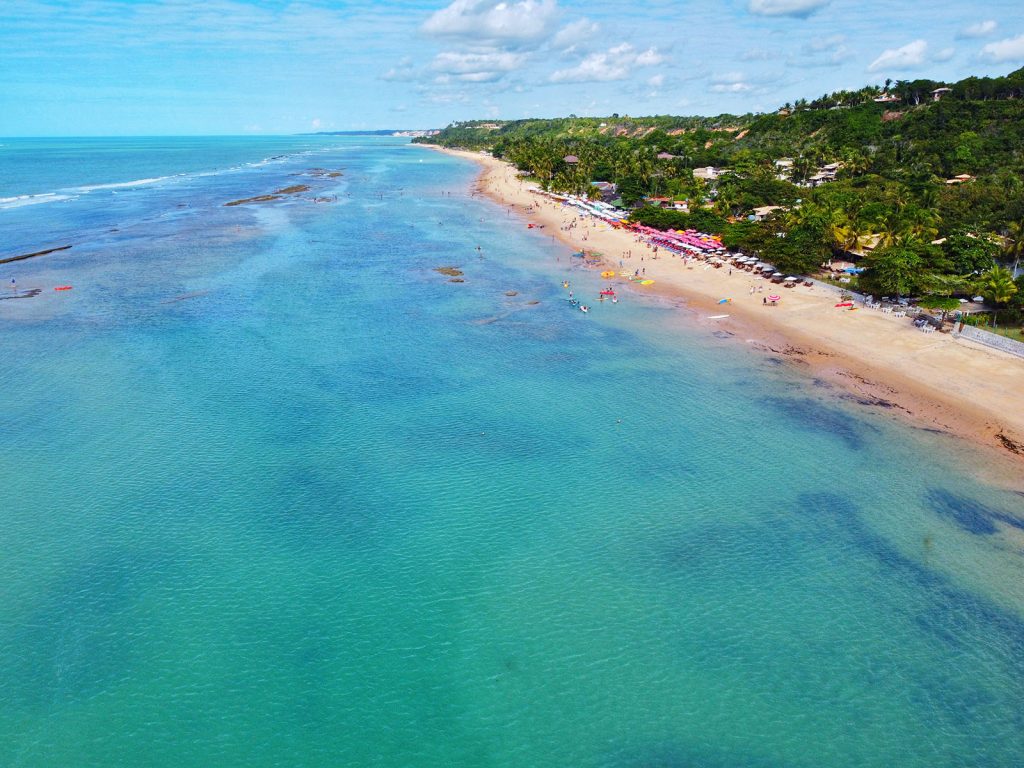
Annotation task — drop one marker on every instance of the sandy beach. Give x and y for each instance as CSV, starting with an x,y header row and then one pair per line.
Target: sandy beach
x,y
936,381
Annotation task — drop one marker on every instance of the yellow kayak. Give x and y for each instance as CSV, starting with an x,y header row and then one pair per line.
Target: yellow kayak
x,y
607,273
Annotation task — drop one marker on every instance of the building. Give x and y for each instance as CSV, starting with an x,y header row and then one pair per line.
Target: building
x,y
760,214
825,174
963,178
608,190
707,174
784,168
938,93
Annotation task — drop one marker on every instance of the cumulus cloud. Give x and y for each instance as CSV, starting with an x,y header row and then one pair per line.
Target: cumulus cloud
x,y
475,67
910,56
1009,50
614,64
944,55
571,35
798,8
505,23
731,87
981,29
729,82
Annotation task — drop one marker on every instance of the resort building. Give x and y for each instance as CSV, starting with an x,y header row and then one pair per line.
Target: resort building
x,y
707,174
784,168
760,214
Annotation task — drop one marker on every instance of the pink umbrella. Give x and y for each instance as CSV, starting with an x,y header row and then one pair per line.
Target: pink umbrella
x,y
774,298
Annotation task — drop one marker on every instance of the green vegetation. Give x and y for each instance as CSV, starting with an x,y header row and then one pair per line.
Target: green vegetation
x,y
867,174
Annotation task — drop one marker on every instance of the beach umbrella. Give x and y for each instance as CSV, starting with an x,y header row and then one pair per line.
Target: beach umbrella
x,y
774,298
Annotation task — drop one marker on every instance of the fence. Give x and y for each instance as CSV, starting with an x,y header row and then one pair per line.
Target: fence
x,y
989,339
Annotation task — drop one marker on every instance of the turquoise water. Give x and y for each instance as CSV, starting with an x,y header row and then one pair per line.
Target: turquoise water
x,y
277,493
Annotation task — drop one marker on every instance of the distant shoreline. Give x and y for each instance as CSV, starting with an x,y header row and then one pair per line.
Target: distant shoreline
x,y
936,383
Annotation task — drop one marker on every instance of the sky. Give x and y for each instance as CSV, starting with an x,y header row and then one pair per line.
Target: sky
x,y
179,67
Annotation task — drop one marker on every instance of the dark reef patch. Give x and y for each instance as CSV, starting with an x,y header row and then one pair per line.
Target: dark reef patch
x,y
972,516
817,417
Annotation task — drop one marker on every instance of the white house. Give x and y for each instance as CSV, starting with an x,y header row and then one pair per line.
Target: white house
x,y
708,174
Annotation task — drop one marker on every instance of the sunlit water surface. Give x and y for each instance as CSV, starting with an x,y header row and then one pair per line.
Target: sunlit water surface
x,y
275,493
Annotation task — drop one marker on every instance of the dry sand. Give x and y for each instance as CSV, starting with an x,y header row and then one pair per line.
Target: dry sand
x,y
938,382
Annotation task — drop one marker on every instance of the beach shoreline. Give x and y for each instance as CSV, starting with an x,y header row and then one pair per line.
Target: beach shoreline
x,y
933,382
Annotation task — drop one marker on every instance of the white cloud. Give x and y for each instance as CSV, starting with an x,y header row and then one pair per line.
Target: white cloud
x,y
910,56
656,81
731,87
729,82
614,64
1010,49
490,21
981,29
404,70
798,8
476,67
944,55
826,52
571,35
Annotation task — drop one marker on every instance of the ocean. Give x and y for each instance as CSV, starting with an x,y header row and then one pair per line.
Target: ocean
x,y
277,493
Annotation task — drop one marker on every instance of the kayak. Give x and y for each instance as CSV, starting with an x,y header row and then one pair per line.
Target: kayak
x,y
62,288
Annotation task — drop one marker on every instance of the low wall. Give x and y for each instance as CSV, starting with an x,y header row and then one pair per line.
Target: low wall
x,y
989,339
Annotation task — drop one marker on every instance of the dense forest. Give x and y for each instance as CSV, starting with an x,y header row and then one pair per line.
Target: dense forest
x,y
921,182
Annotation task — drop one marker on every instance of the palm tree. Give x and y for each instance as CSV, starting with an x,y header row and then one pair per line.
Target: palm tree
x,y
1014,248
997,285
918,225
844,235
887,232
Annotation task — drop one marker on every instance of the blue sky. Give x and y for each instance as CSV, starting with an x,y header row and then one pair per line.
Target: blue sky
x,y
133,67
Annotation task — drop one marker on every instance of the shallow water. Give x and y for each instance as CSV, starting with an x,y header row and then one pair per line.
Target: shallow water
x,y
277,493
